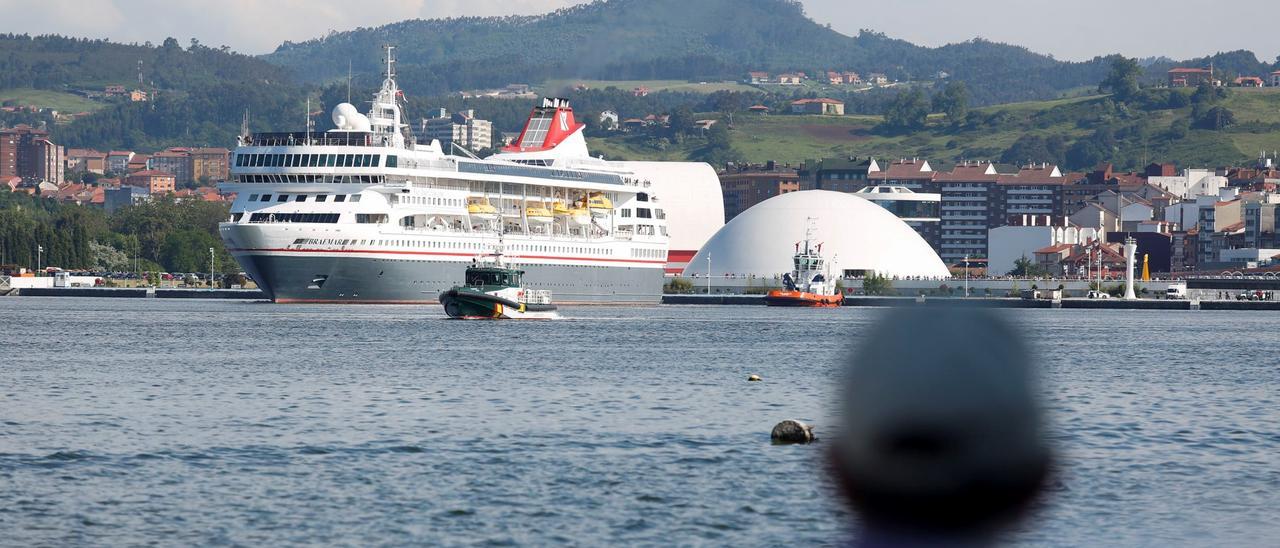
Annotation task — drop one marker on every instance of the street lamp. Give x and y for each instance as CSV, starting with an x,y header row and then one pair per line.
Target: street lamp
x,y
211,268
39,258
708,273
966,276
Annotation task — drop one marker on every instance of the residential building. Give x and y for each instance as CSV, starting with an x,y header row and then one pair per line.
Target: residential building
x,y
156,182
1192,183
822,106
86,160
919,210
837,174
852,78
210,165
138,96
967,210
877,79
117,161
747,186
116,198
1027,235
175,161
1182,77
757,77
462,129
790,79
1275,79
28,153
138,163
1036,189
1260,222
1249,82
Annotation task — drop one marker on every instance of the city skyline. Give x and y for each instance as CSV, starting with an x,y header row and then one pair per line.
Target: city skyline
x,y
258,27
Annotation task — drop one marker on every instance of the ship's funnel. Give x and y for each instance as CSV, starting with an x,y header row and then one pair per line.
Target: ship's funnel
x,y
550,124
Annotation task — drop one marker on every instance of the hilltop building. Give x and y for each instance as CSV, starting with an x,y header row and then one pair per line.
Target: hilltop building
x,y
1182,77
821,106
156,182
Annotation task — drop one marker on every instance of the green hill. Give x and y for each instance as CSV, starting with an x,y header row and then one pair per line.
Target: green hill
x,y
706,40
1075,133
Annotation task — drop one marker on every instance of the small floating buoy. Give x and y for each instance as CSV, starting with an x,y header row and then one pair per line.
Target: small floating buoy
x,y
792,431
754,377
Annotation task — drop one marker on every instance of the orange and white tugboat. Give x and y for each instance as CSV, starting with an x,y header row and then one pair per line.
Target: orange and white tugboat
x,y
809,285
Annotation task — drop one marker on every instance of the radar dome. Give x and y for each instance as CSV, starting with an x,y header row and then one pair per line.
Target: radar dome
x,y
858,237
347,118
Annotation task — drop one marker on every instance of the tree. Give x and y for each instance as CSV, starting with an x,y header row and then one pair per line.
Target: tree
x,y
953,101
1215,118
1025,268
1122,80
876,284
909,110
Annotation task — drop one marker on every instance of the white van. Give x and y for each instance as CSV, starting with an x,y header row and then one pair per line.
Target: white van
x,y
1176,291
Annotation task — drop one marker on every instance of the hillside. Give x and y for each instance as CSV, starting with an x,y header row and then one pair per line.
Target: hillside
x,y
1076,133
705,40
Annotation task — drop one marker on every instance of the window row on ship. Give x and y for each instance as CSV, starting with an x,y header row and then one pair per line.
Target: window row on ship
x,y
314,160
637,253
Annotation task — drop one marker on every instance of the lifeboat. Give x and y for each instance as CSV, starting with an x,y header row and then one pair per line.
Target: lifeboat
x,y
538,213
596,201
481,208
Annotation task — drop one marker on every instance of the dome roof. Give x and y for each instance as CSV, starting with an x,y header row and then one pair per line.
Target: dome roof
x,y
856,235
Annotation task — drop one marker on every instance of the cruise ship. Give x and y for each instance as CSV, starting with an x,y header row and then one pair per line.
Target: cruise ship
x,y
364,213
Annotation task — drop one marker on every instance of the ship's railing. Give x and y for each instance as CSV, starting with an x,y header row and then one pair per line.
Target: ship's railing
x,y
302,138
537,296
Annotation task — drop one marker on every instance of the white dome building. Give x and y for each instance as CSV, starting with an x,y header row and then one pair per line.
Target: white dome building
x,y
858,237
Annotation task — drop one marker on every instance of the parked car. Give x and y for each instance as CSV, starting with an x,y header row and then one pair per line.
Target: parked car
x,y
1093,294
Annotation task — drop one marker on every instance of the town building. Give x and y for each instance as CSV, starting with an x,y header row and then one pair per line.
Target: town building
x,y
156,182
748,185
822,106
968,194
1182,77
86,160
117,161
174,161
460,128
838,174
116,198
920,210
28,153
1036,189
757,77
210,165
1275,79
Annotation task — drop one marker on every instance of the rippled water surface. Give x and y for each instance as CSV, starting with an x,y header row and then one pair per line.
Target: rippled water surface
x,y
148,421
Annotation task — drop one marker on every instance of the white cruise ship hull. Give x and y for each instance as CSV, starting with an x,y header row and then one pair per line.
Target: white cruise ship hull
x,y
371,275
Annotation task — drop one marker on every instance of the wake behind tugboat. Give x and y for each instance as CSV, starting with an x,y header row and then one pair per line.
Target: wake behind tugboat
x,y
494,291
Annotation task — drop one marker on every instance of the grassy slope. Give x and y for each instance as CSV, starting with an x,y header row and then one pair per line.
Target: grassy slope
x,y
63,102
795,138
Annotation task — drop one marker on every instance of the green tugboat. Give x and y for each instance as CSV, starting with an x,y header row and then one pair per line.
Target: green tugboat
x,y
493,291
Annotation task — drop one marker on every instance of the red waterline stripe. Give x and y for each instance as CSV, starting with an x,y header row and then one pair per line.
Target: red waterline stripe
x,y
439,254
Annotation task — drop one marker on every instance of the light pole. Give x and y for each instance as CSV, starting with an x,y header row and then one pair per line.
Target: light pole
x,y
39,258
708,273
966,276
211,268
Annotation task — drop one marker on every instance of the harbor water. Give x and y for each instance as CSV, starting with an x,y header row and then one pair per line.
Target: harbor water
x,y
149,421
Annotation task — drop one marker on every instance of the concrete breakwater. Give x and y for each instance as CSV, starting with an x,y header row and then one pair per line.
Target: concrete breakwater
x,y
986,302
140,293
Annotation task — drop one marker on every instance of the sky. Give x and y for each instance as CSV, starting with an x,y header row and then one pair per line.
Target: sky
x,y
1075,30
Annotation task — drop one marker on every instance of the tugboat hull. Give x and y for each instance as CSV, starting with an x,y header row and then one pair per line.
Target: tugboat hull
x,y
802,299
475,305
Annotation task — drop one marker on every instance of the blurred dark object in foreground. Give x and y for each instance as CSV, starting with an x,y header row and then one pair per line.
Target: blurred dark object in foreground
x,y
941,440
